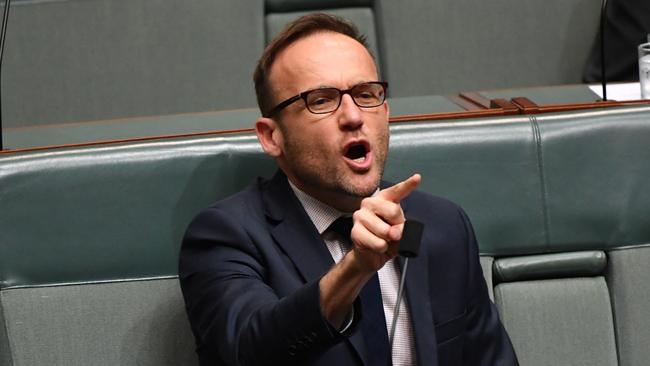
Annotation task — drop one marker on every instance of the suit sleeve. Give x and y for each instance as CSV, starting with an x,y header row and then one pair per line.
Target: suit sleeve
x,y
486,341
237,319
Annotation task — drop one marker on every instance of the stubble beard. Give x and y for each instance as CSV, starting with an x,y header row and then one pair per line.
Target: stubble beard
x,y
307,168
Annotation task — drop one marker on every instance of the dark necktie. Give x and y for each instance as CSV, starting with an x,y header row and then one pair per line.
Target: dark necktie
x,y
373,322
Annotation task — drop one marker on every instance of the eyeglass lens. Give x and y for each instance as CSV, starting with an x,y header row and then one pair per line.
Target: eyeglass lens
x,y
326,100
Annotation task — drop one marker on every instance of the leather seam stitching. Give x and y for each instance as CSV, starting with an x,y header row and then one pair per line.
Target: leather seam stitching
x,y
542,178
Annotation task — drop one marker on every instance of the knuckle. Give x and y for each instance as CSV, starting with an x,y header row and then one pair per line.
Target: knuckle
x,y
381,245
396,210
386,230
366,202
354,233
356,216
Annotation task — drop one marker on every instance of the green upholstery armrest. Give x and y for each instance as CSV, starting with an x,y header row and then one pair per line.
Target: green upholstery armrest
x,y
548,266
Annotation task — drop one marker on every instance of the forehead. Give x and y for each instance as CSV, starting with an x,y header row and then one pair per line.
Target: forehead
x,y
321,59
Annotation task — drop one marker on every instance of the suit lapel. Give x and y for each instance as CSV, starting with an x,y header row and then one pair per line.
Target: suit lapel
x,y
297,236
294,232
417,290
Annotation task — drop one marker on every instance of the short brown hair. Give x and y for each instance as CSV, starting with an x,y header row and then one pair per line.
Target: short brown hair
x,y
294,31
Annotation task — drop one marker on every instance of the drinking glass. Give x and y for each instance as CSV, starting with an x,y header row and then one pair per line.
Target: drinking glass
x,y
644,70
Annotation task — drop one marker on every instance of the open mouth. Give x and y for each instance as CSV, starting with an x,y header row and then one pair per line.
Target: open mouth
x,y
357,153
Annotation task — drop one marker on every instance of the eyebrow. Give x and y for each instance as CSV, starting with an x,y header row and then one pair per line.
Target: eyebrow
x,y
322,86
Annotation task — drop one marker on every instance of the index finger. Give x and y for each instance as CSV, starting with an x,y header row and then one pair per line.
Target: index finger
x,y
399,191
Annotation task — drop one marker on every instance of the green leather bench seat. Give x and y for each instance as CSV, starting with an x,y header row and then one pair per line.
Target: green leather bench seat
x,y
556,308
595,177
577,308
89,236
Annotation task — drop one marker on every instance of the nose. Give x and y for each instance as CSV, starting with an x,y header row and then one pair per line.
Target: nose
x,y
349,114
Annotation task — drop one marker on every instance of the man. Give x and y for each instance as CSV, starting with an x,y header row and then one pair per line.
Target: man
x,y
627,25
258,269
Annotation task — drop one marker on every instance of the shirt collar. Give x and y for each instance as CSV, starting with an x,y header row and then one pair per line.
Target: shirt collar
x,y
321,214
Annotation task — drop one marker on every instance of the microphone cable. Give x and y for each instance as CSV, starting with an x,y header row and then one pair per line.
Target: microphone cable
x,y
400,295
3,37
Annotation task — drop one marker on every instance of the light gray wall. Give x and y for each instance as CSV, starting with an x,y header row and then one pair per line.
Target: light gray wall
x,y
449,46
78,60
81,60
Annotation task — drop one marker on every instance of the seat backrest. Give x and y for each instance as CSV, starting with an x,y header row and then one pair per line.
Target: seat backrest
x,y
101,226
556,308
89,249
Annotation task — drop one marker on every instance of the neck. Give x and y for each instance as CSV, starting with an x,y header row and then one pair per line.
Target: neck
x,y
339,200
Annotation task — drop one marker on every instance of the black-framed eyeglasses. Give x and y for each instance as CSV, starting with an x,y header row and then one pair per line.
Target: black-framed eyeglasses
x,y
327,100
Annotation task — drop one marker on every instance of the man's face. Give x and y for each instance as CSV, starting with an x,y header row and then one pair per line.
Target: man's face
x,y
336,157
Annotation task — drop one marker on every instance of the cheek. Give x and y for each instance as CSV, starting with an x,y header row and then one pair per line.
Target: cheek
x,y
319,139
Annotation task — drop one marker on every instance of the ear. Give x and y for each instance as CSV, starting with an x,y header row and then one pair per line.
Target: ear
x,y
269,136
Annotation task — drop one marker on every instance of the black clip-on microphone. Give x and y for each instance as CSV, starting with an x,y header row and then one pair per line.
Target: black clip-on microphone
x,y
409,247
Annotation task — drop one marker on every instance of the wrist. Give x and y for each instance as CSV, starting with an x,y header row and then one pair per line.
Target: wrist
x,y
340,287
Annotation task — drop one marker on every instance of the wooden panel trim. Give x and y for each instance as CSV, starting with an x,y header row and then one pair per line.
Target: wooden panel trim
x,y
464,103
549,108
476,98
448,115
525,105
508,107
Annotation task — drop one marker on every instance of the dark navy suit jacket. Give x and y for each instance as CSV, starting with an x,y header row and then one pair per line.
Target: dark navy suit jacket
x,y
249,271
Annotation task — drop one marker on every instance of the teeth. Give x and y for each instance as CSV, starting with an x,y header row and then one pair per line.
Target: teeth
x,y
360,160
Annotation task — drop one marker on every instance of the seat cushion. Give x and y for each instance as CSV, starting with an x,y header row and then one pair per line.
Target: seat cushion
x,y
559,322
629,283
120,323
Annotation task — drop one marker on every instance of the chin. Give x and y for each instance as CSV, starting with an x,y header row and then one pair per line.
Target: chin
x,y
362,189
